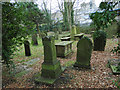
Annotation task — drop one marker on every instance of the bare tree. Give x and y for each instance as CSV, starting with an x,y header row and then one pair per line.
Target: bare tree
x,y
66,8
47,13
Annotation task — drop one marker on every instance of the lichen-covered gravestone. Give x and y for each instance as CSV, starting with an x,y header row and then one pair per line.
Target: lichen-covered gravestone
x,y
78,30
73,32
51,68
84,50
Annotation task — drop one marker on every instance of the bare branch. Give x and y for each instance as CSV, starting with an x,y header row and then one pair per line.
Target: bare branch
x,y
73,3
60,6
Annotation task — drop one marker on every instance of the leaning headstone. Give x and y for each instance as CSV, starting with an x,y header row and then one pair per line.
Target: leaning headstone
x,y
51,68
73,32
84,50
27,48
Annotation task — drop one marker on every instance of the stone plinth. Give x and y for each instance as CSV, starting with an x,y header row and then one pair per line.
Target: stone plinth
x,y
51,68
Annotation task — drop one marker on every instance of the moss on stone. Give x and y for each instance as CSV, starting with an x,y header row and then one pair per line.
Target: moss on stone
x,y
51,68
84,50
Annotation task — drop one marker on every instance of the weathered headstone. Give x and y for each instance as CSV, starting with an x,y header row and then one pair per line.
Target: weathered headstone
x,y
34,39
51,68
27,48
73,32
84,50
78,30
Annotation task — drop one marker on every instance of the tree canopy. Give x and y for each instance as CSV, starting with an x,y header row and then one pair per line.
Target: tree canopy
x,y
105,17
19,21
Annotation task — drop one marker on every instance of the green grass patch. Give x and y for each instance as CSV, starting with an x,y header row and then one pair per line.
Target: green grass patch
x,y
69,63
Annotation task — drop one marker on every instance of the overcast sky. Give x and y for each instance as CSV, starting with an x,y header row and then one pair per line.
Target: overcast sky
x,y
54,3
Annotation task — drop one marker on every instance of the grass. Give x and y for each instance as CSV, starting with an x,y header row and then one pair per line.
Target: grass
x,y
69,63
37,51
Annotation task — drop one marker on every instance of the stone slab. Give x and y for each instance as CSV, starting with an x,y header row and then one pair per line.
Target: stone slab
x,y
32,61
77,35
65,38
63,43
20,74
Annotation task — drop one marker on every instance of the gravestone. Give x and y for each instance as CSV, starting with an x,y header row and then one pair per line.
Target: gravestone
x,y
27,48
51,68
73,32
78,30
34,39
84,50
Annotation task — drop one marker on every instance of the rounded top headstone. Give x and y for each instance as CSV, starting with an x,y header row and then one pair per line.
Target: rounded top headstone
x,y
85,38
48,38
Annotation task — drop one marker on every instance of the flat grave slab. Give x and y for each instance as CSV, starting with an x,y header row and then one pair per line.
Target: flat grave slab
x,y
78,36
67,35
65,39
32,61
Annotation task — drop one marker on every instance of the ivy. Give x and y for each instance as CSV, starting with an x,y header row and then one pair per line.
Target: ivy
x,y
17,25
105,17
116,49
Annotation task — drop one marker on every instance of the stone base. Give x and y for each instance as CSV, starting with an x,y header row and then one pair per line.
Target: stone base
x,y
45,80
82,66
40,79
51,70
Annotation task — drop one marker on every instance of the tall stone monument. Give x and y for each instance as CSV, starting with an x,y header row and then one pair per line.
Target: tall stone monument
x,y
84,50
51,68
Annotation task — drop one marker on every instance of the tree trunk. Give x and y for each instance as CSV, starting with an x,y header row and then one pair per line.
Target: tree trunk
x,y
27,48
37,27
69,9
34,39
119,44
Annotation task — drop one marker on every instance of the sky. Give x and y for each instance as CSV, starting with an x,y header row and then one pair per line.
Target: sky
x,y
54,3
